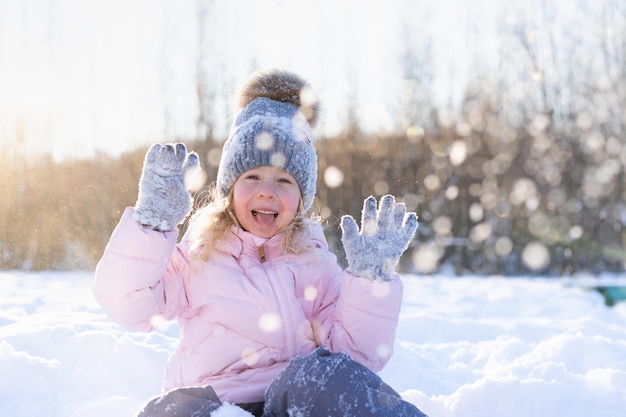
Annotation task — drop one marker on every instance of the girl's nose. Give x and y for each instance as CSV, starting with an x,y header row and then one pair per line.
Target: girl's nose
x,y
267,189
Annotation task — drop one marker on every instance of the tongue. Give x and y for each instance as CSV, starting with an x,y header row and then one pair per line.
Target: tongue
x,y
265,219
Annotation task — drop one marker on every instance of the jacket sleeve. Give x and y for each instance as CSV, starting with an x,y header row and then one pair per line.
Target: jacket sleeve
x,y
139,279
357,316
365,319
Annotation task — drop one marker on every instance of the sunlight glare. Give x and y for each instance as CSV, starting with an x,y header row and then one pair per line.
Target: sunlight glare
x,y
333,177
452,192
157,321
214,156
480,232
310,293
458,152
195,179
535,256
381,187
264,141
383,351
381,289
278,160
415,133
575,232
249,356
308,101
503,246
270,322
370,226
426,258
476,212
432,182
442,225
523,189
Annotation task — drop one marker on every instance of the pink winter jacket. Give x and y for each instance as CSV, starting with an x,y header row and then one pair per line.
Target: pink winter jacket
x,y
241,319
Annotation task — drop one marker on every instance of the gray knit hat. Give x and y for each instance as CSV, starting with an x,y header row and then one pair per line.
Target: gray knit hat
x,y
274,127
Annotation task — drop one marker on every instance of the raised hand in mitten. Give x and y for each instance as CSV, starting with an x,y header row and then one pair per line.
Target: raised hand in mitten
x,y
374,251
163,200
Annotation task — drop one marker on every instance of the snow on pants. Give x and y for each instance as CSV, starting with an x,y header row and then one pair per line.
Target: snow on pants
x,y
324,384
321,384
183,402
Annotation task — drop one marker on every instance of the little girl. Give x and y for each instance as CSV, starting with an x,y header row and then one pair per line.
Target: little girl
x,y
268,319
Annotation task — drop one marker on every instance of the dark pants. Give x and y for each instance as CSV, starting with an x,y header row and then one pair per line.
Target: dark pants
x,y
183,402
320,384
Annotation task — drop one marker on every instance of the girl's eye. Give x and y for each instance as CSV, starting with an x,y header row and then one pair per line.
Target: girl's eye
x,y
285,180
252,177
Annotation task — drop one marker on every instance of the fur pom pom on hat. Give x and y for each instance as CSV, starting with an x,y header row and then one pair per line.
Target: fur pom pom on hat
x,y
277,111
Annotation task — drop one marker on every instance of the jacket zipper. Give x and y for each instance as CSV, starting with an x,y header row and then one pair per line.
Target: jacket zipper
x,y
262,255
281,292
287,312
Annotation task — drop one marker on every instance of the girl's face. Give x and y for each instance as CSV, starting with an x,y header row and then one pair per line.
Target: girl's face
x,y
265,200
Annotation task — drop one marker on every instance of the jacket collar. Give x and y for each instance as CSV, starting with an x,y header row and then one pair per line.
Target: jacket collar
x,y
240,242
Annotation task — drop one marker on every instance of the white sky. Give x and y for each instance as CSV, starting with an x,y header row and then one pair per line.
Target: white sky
x,y
84,75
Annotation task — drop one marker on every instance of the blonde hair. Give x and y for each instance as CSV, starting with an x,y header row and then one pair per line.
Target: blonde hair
x,y
213,221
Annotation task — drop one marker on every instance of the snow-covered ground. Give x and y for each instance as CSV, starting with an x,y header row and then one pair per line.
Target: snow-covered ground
x,y
470,347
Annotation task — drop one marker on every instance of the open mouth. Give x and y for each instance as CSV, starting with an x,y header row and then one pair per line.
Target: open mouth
x,y
256,213
265,218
